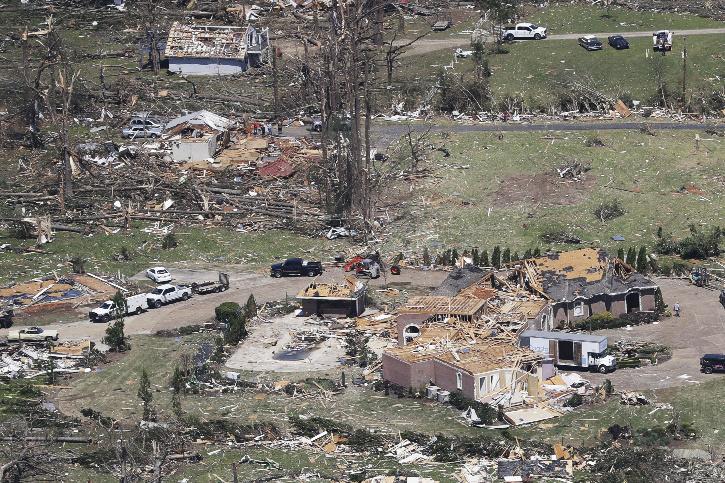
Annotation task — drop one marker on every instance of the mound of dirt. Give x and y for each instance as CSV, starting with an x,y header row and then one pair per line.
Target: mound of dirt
x,y
542,189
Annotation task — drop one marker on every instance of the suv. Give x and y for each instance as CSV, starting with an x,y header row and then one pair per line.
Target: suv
x,y
710,363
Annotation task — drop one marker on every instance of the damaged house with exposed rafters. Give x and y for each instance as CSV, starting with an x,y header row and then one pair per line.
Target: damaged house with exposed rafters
x,y
581,283
463,337
215,50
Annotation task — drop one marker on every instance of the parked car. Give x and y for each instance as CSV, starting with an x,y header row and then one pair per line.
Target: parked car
x,y
146,121
618,42
590,42
108,310
134,132
32,334
296,266
165,294
523,31
710,363
158,274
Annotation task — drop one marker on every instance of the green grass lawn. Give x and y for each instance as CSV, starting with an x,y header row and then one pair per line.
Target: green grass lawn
x,y
696,404
531,70
536,72
515,178
197,246
561,19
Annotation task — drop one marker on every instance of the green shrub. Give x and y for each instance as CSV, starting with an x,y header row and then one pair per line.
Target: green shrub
x,y
315,425
485,412
169,241
231,314
574,401
609,210
78,264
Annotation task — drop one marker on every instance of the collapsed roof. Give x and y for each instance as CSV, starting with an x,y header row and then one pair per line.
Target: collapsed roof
x,y
351,289
460,279
475,358
207,41
202,120
584,273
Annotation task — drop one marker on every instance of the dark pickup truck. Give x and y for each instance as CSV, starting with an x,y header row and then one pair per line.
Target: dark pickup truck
x,y
296,266
710,363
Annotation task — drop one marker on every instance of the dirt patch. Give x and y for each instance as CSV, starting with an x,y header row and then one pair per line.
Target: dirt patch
x,y
542,189
267,348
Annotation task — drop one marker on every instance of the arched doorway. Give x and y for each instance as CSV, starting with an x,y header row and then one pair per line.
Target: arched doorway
x,y
632,302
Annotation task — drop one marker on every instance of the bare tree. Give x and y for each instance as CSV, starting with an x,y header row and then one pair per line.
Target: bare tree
x,y
395,48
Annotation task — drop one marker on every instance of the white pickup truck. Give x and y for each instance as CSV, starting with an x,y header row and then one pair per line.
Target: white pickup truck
x,y
164,294
523,31
32,334
135,304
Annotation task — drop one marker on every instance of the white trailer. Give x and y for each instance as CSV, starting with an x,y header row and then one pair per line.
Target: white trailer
x,y
570,349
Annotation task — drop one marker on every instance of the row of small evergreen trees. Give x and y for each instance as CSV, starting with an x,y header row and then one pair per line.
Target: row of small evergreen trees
x,y
497,259
636,258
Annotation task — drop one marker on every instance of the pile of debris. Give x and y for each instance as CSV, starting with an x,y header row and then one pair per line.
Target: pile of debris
x,y
32,360
206,169
70,290
633,353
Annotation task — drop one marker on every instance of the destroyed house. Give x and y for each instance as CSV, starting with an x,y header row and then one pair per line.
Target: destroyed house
x,y
517,309
483,370
197,136
346,300
440,307
215,50
584,282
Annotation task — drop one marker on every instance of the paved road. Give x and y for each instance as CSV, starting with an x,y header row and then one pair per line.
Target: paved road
x,y
431,45
700,330
200,308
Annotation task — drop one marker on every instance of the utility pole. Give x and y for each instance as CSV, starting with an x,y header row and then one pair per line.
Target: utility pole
x,y
274,82
684,70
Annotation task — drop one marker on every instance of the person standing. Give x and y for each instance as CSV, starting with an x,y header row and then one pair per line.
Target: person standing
x,y
279,126
676,309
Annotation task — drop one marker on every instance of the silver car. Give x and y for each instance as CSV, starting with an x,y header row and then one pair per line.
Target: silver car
x,y
134,132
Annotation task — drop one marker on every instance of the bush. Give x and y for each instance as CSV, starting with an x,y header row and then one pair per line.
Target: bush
x,y
559,235
594,141
485,412
169,242
609,210
231,314
315,425
78,264
574,401
701,245
605,320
